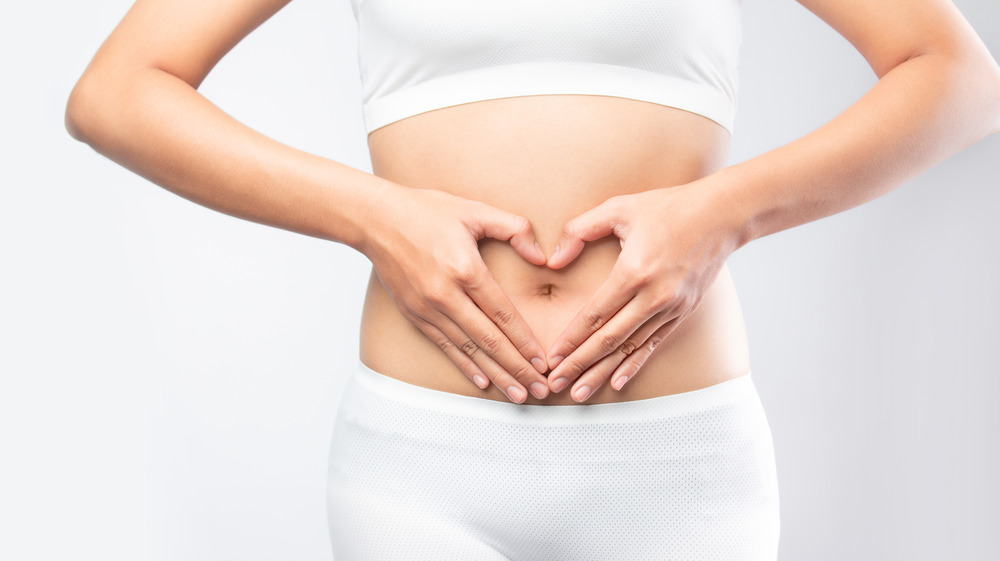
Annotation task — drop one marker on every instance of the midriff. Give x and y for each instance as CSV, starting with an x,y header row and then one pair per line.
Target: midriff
x,y
550,158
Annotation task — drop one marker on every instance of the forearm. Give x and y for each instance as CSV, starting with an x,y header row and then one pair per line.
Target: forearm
x,y
161,128
918,114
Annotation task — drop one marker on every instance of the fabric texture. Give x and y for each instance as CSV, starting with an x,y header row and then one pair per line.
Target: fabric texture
x,y
421,474
419,56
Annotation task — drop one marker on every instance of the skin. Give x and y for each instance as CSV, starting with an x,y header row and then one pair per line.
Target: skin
x,y
938,92
593,148
633,194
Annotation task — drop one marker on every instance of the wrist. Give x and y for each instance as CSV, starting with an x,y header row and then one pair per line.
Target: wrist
x,y
722,191
370,216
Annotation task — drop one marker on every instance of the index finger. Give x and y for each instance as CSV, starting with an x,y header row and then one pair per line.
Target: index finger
x,y
606,302
495,303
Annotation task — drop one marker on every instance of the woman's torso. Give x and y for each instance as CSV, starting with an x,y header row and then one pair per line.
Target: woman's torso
x,y
550,158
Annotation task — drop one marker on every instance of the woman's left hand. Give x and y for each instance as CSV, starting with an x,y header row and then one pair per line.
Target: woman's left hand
x,y
674,241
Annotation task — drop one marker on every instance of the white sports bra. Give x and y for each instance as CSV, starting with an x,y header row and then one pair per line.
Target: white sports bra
x,y
420,55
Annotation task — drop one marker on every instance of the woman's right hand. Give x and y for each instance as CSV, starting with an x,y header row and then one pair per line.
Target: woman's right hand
x,y
423,244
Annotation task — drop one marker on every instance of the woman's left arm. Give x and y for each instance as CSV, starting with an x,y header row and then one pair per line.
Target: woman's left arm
x,y
938,92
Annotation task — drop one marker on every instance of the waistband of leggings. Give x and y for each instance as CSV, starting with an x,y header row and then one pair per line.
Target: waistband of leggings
x,y
686,403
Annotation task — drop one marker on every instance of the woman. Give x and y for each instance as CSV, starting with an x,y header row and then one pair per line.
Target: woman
x,y
553,363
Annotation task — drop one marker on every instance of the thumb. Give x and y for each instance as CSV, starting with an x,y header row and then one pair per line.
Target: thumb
x,y
501,225
598,222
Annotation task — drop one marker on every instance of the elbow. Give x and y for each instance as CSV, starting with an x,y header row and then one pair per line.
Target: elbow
x,y
978,78
974,75
78,109
91,106
984,77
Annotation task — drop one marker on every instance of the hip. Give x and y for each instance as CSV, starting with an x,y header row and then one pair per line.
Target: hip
x,y
444,476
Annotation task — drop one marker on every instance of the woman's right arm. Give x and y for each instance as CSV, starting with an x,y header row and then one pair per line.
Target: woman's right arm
x,y
137,103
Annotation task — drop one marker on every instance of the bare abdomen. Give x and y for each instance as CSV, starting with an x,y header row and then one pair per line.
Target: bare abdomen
x,y
550,158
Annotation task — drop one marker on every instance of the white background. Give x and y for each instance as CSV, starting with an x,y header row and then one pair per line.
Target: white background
x,y
170,374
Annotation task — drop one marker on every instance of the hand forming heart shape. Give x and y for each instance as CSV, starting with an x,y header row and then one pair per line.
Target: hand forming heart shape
x,y
675,241
423,244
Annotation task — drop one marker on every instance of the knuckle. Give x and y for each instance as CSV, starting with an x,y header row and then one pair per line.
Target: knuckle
x,y
463,273
446,345
633,366
627,348
522,224
408,312
609,343
416,312
524,374
435,294
470,348
491,343
572,228
665,297
573,368
571,347
503,318
654,341
641,276
593,319
635,273
690,299
520,342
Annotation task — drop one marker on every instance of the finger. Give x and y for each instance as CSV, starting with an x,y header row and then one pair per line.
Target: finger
x,y
606,340
495,303
456,344
631,366
605,303
468,346
593,379
598,222
505,365
601,372
462,360
497,224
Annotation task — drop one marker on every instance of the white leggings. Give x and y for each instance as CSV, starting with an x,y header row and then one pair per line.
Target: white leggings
x,y
420,474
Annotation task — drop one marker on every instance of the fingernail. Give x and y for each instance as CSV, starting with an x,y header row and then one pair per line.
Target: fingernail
x,y
582,393
620,382
480,381
556,252
539,365
559,384
538,247
555,361
517,393
538,389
